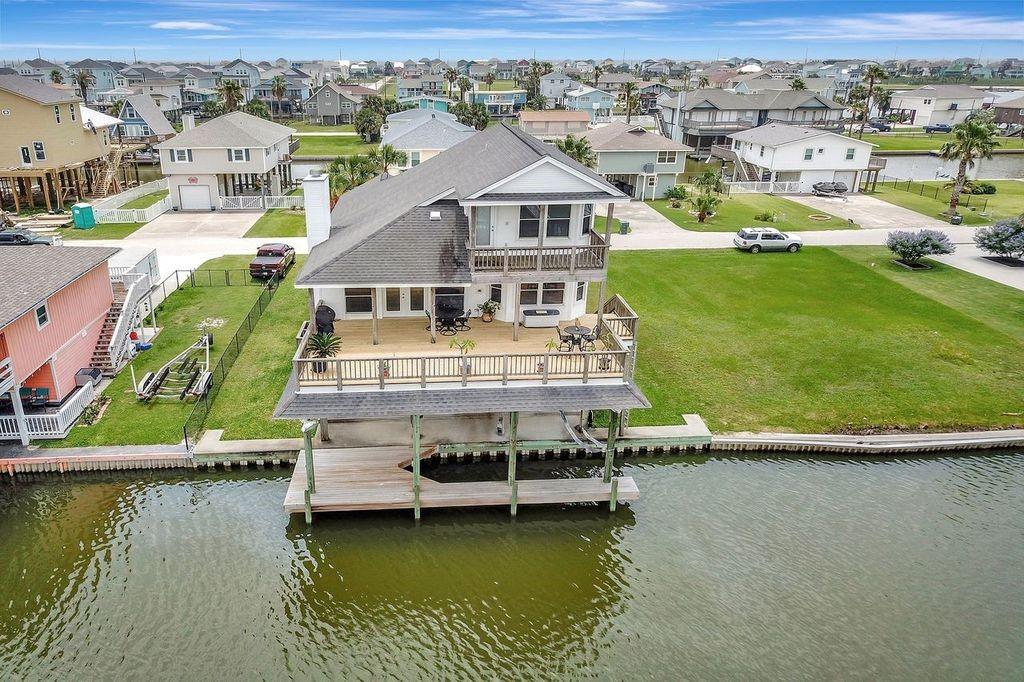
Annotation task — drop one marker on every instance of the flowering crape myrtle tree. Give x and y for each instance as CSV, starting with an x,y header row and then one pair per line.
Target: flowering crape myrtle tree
x,y
1004,239
911,247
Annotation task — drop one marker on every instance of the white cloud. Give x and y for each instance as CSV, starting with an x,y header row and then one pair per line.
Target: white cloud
x,y
188,26
885,27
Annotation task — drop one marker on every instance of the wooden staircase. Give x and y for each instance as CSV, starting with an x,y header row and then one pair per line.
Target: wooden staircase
x,y
101,359
110,168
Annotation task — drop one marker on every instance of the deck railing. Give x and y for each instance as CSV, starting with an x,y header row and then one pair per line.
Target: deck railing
x,y
507,259
53,424
258,202
132,215
788,187
6,375
620,318
138,284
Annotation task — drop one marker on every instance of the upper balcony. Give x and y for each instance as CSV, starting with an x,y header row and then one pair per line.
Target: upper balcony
x,y
700,127
577,259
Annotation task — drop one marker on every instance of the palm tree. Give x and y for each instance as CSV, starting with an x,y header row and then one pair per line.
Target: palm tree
x,y
709,181
598,70
451,75
56,77
704,204
855,102
278,86
465,85
489,79
686,79
231,94
969,140
386,158
578,149
883,100
538,103
82,80
348,172
872,73
629,99
798,83
703,82
256,107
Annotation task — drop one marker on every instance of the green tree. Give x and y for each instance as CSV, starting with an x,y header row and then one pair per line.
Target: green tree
x,y
473,115
798,83
82,81
386,158
704,204
709,181
489,79
346,173
465,85
368,123
578,149
873,73
537,103
278,86
970,140
256,107
452,76
56,77
211,109
231,94
883,101
597,74
629,96
703,82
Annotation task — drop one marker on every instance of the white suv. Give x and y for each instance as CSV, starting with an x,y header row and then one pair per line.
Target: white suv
x,y
757,239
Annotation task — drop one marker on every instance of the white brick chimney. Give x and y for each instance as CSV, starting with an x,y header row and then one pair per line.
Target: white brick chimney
x,y
188,122
316,190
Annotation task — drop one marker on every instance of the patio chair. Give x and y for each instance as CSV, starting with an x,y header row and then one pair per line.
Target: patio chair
x,y
589,341
565,342
427,313
462,322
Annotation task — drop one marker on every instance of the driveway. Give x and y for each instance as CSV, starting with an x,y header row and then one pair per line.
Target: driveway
x,y
870,213
970,258
176,225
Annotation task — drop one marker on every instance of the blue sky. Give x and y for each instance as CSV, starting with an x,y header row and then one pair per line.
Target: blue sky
x,y
360,29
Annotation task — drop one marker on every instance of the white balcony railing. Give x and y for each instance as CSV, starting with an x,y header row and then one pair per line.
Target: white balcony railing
x,y
259,203
138,286
51,424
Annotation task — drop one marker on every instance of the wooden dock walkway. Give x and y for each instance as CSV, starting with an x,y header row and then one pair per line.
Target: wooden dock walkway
x,y
355,479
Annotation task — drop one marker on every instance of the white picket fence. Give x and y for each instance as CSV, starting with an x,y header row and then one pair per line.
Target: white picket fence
x,y
51,424
133,215
762,187
259,203
129,195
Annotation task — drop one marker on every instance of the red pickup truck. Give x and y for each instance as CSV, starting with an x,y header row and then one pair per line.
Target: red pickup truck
x,y
270,260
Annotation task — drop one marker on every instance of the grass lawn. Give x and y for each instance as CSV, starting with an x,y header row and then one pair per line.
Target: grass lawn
x,y
245,404
922,141
500,85
304,127
838,341
332,146
146,200
599,223
739,210
1006,202
279,222
101,231
127,421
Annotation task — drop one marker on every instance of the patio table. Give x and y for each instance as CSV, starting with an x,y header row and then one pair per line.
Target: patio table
x,y
577,333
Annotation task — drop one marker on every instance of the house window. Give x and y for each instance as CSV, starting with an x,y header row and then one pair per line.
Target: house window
x,y
42,316
182,155
529,221
414,158
553,293
666,157
952,106
761,151
581,290
416,298
927,101
558,220
71,110
128,111
238,155
528,293
40,151
496,293
652,181
808,154
358,300
56,112
26,155
850,152
392,299
588,217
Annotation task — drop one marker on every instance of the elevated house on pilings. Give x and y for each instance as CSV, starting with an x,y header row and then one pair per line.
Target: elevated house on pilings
x,y
499,217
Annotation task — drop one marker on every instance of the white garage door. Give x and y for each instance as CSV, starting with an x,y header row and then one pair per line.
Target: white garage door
x,y
194,197
849,178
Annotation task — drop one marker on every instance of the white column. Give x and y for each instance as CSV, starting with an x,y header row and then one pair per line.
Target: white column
x,y
316,192
19,415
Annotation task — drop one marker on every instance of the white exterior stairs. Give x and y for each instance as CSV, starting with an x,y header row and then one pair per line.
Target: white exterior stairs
x,y
114,341
109,179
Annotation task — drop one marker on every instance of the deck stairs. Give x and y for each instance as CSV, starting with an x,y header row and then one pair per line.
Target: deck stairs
x,y
113,348
101,359
108,180
660,120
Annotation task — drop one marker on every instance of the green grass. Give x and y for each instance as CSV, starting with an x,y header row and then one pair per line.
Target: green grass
x,y
1006,202
146,200
500,85
921,141
304,127
599,224
739,210
127,421
245,405
279,222
332,146
101,231
826,343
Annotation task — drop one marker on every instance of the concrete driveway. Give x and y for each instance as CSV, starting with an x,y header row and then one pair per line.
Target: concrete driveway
x,y
870,213
175,225
970,258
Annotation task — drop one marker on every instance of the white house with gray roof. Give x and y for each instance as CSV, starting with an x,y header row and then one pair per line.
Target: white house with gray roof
x,y
936,104
234,155
423,133
640,162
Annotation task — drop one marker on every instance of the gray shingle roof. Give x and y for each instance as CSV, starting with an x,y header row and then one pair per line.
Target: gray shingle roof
x,y
768,99
426,133
147,109
621,137
428,401
36,91
235,130
31,274
470,166
943,92
775,134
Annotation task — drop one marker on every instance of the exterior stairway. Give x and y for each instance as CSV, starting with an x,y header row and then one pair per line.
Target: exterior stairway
x,y
101,359
109,178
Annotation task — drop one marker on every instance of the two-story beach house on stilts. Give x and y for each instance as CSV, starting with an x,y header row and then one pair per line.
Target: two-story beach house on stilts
x,y
398,270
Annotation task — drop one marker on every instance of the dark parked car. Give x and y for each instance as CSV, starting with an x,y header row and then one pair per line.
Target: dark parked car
x,y
879,124
22,237
939,128
270,260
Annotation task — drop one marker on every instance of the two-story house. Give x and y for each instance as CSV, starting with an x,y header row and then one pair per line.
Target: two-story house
x,y
52,151
295,93
499,103
423,133
102,72
501,217
334,103
777,152
166,92
641,163
142,120
41,70
234,155
597,103
242,72
553,124
432,85
935,104
554,86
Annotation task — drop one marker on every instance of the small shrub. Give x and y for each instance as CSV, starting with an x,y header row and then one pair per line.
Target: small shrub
x,y
1005,238
675,203
92,411
678,192
983,188
911,247
766,216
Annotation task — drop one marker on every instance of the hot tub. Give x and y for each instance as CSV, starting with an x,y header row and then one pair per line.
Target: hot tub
x,y
541,317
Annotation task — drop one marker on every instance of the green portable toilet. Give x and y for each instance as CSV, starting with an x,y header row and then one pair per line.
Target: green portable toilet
x,y
85,219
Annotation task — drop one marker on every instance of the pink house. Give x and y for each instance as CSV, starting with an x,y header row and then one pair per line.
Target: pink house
x,y
54,305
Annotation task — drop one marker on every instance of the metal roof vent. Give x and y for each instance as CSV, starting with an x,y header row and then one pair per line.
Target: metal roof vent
x,y
435,215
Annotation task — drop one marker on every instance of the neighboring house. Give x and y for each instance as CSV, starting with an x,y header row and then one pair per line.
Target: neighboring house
x,y
505,71
133,75
296,92
242,72
423,133
703,118
40,70
499,103
54,305
194,98
194,77
428,102
478,70
613,82
142,120
435,86
553,124
232,155
335,103
639,162
597,103
777,152
1010,112
554,85
166,92
500,217
757,83
49,145
935,104
102,72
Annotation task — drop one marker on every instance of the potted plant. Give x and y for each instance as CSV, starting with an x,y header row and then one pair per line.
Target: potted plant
x,y
386,369
322,346
464,346
487,310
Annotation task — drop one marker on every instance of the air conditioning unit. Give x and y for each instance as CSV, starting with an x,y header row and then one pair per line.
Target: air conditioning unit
x,y
648,168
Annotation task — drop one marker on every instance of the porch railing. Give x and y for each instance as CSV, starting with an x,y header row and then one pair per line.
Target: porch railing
x,y
620,318
762,187
259,202
506,259
53,424
6,375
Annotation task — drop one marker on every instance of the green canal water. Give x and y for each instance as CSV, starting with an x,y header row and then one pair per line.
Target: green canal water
x,y
728,567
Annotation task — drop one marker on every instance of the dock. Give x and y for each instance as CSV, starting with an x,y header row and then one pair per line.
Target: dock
x,y
361,479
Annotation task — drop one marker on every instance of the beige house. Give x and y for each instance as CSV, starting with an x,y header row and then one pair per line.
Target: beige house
x,y
553,124
54,148
938,104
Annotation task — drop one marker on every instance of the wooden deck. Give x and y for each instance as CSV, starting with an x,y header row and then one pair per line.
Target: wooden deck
x,y
359,479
